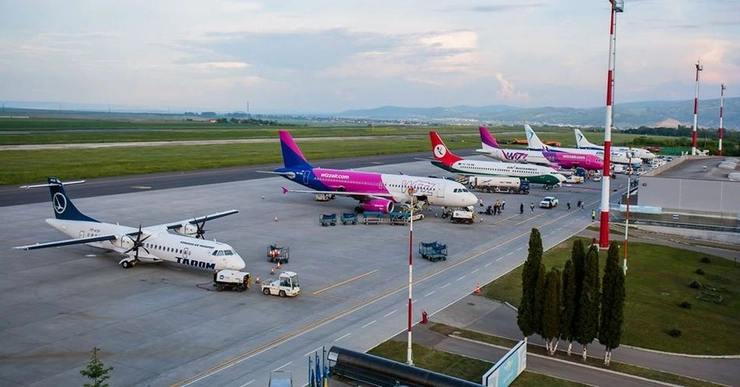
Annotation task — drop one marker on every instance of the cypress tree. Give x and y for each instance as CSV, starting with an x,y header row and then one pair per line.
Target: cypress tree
x,y
551,315
539,300
569,301
588,313
530,271
612,303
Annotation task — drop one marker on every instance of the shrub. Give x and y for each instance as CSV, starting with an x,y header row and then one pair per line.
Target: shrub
x,y
699,271
674,332
695,284
705,260
685,305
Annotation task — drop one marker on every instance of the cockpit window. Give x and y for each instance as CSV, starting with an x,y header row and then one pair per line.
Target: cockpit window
x,y
218,253
228,252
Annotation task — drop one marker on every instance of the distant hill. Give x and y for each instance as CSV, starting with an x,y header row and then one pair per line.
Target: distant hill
x,y
626,115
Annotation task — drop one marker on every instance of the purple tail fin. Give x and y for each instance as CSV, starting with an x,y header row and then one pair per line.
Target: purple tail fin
x,y
486,137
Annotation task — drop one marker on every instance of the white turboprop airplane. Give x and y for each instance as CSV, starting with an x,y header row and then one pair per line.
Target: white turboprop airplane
x,y
534,142
583,143
184,246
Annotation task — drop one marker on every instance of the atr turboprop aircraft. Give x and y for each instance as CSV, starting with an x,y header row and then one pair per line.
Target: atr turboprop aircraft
x,y
184,246
534,142
547,158
450,162
583,143
374,191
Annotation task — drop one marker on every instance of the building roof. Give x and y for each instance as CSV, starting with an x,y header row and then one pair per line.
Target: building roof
x,y
696,168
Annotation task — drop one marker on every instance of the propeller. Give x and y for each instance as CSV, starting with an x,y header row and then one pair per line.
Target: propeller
x,y
200,231
138,243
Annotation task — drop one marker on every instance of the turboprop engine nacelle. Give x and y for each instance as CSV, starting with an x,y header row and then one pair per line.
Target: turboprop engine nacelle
x,y
383,205
187,229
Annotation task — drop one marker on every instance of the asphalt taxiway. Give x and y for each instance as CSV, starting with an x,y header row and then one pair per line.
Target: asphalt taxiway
x,y
157,328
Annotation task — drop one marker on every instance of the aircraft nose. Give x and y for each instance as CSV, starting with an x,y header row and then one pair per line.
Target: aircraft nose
x,y
237,263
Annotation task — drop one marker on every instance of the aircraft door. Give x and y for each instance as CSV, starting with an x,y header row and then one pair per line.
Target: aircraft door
x,y
441,191
307,177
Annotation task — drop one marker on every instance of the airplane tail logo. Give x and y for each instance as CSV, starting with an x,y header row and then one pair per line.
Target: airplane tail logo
x,y
62,205
440,151
486,138
292,156
533,141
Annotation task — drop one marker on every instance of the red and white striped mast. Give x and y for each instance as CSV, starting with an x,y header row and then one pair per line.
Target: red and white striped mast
x,y
616,6
721,109
699,67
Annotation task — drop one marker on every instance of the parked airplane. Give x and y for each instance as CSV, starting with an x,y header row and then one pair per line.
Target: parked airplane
x,y
185,246
583,143
533,173
374,191
559,159
616,157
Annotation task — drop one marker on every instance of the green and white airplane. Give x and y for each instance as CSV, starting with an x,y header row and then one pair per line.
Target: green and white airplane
x,y
448,161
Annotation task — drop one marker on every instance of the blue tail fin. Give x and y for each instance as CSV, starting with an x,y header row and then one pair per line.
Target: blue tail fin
x,y
292,156
61,203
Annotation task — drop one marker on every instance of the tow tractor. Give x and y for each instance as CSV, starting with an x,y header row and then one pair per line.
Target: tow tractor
x,y
231,280
278,254
459,214
285,286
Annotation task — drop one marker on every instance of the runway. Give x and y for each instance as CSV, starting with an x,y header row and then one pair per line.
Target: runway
x,y
157,328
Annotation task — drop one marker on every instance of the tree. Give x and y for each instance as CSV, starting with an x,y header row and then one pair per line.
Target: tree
x,y
551,312
539,300
612,303
578,256
588,308
96,370
530,272
569,302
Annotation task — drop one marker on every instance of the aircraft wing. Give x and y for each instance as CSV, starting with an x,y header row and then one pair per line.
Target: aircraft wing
x,y
67,242
197,220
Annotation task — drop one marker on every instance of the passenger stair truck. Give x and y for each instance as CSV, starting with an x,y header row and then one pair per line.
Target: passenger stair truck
x,y
499,184
231,280
285,286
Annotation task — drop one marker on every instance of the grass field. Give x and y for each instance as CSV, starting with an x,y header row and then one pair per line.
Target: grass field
x,y
458,366
657,283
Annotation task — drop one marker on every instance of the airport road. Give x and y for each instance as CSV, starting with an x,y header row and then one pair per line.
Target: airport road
x,y
156,327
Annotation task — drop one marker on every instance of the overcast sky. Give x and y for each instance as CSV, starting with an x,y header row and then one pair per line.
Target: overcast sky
x,y
332,55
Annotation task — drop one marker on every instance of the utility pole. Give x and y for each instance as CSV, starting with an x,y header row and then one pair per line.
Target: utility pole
x,y
721,108
699,68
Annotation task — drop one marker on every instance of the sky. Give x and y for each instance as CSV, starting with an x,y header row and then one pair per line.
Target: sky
x,y
323,56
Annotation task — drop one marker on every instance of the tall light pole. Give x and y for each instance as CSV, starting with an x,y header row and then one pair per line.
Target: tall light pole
x,y
616,6
721,108
627,214
409,358
699,68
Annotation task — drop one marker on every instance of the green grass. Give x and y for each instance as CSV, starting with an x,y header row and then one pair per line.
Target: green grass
x,y
458,366
575,358
657,282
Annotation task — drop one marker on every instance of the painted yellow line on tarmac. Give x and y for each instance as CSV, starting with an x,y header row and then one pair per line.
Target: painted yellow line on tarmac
x,y
344,282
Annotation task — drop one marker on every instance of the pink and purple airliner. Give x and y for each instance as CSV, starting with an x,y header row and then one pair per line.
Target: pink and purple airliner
x,y
375,191
544,157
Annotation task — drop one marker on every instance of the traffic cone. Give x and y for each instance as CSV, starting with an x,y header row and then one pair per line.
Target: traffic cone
x,y
278,266
276,218
257,281
477,288
272,270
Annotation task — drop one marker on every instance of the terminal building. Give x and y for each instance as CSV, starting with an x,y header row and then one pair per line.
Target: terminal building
x,y
699,193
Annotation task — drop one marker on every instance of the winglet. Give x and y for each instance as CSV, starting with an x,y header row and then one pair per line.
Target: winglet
x,y
486,138
440,151
285,190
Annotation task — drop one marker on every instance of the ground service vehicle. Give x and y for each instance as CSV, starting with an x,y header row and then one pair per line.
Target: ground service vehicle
x,y
499,184
231,280
328,219
433,251
459,214
549,202
278,254
285,286
281,379
349,218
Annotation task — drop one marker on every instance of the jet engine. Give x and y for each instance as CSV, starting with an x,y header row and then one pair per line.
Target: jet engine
x,y
383,205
